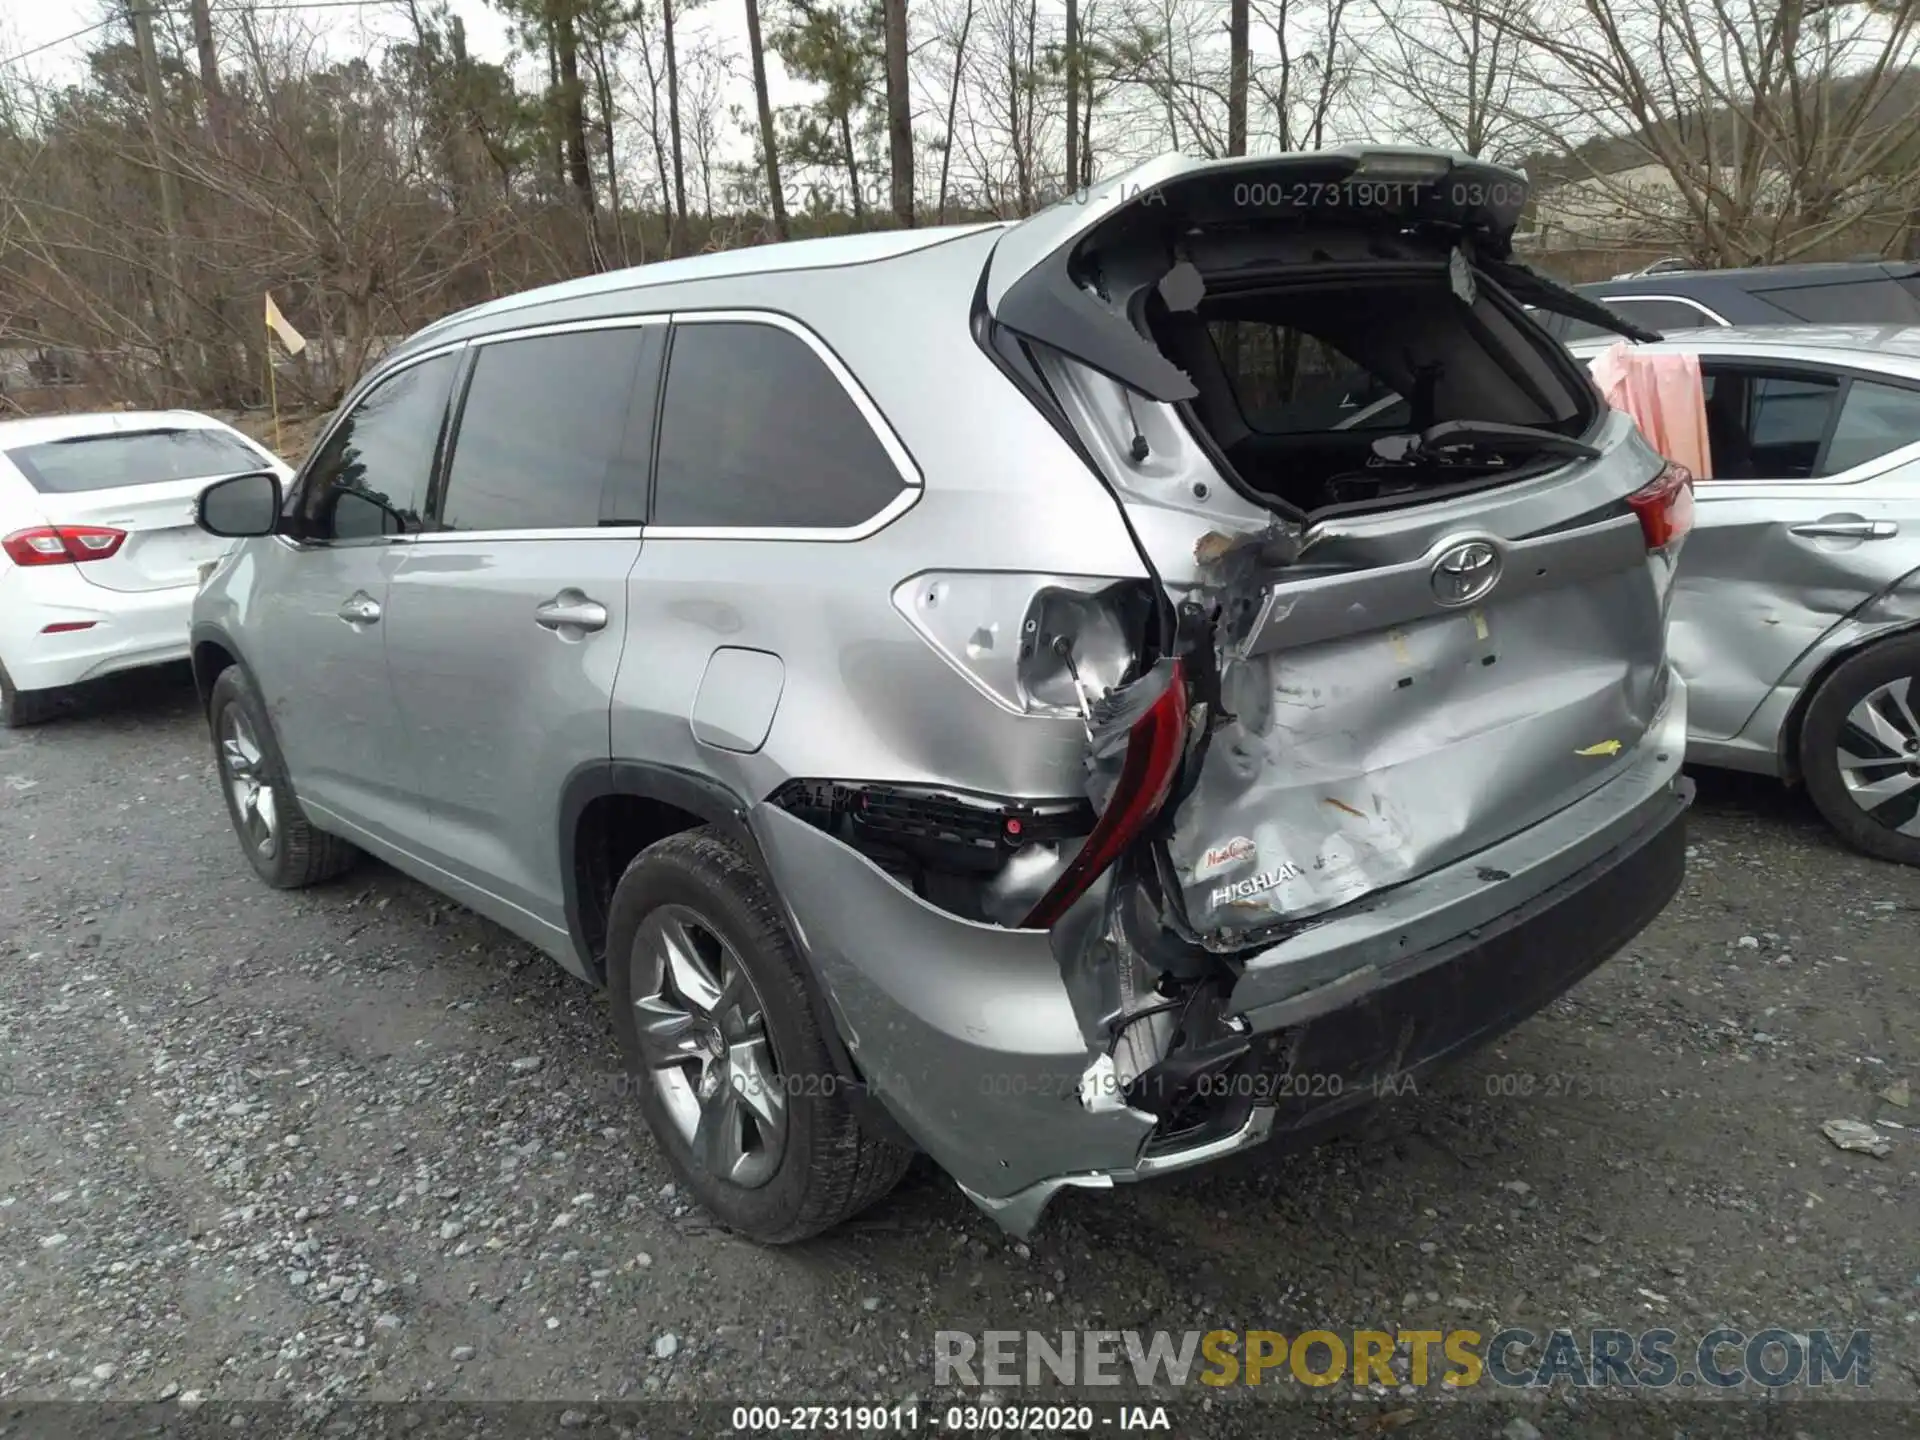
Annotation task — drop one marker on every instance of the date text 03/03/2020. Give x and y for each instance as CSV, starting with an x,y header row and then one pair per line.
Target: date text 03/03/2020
x,y
963,1418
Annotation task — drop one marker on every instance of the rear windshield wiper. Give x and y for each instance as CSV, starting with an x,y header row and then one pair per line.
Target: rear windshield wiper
x,y
1435,440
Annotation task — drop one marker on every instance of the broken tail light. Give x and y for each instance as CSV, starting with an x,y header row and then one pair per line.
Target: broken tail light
x,y
62,544
1155,743
1665,506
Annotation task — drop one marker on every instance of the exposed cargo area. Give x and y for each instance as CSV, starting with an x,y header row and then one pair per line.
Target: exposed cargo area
x,y
1390,372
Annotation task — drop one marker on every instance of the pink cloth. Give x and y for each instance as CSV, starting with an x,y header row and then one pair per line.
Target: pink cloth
x,y
1663,394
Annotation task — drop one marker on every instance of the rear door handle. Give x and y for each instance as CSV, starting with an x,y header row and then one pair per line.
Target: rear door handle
x,y
571,610
1848,529
360,610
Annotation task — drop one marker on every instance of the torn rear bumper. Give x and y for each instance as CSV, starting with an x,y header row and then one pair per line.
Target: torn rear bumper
x,y
966,1033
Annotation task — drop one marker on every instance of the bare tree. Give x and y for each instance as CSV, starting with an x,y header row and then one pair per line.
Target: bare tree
x,y
703,80
212,92
676,234
1070,63
899,110
769,139
958,41
1744,131
1317,66
1455,74
1237,63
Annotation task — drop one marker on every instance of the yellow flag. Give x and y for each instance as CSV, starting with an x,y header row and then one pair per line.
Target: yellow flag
x,y
277,323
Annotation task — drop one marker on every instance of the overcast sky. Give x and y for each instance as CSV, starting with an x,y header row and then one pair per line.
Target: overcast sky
x,y
355,28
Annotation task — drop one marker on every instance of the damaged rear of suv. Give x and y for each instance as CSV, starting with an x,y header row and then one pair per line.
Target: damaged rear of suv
x,y
1381,752
1078,698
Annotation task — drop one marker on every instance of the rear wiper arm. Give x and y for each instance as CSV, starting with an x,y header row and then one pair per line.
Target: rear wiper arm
x,y
1479,435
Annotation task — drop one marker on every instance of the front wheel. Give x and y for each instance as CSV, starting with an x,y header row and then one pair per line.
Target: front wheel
x,y
729,1067
282,845
1860,750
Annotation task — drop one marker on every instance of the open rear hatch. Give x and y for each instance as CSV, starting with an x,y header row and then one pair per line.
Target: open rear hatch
x,y
1037,282
1416,574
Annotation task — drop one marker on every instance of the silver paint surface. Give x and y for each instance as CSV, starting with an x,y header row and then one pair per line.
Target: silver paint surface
x,y
440,738
1760,610
734,707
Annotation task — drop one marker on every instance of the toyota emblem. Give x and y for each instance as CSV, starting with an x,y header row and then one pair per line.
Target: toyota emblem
x,y
1465,572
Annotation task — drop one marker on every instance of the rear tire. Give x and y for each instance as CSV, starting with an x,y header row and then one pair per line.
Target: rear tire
x,y
20,708
285,848
738,1025
1860,750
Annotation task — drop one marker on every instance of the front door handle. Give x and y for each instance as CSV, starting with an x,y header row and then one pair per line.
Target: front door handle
x,y
361,609
1848,529
571,610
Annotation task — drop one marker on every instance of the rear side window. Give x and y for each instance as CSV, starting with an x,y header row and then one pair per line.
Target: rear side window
x,y
545,430
141,457
1288,382
370,478
1875,420
1880,301
755,430
1766,426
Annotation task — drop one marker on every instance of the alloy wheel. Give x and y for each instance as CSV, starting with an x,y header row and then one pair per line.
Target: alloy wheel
x,y
1879,756
703,1039
242,768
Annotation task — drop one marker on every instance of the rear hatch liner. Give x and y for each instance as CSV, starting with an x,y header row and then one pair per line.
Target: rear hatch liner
x,y
1037,278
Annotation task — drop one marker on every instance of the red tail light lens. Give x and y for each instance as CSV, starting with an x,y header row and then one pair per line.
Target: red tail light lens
x,y
1665,507
1154,747
62,544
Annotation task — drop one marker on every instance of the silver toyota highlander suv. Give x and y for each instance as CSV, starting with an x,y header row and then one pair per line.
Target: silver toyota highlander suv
x,y
1078,698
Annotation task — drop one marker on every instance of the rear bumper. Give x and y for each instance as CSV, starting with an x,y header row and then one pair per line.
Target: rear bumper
x,y
1344,1045
125,629
967,1035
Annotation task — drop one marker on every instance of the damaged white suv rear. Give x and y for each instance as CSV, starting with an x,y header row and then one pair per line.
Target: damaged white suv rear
x,y
1078,698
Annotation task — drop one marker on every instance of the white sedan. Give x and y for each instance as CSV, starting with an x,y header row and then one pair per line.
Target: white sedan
x,y
99,554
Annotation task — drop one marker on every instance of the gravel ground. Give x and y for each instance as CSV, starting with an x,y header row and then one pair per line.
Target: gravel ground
x,y
358,1143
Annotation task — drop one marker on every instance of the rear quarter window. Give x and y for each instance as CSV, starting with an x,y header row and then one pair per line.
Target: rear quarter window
x,y
756,431
141,457
1875,420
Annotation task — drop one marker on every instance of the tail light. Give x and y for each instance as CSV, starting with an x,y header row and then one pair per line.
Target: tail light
x,y
1155,744
1665,506
62,544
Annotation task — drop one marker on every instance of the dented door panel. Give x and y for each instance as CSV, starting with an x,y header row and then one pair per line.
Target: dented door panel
x,y
1769,571
1761,745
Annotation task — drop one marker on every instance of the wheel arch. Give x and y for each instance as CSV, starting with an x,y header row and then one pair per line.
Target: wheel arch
x,y
648,802
1795,724
211,650
610,810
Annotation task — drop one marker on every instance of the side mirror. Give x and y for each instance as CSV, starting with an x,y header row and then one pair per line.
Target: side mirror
x,y
240,505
